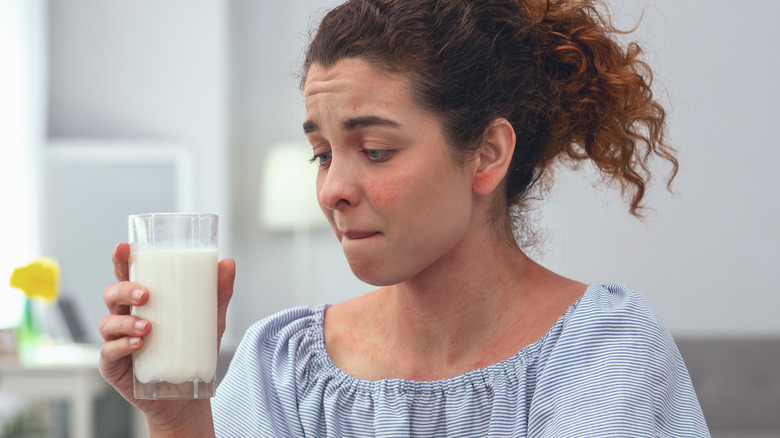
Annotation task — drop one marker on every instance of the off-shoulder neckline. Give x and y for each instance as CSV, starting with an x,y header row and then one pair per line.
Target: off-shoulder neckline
x,y
328,369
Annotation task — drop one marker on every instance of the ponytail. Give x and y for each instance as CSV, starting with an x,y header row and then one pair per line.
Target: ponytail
x,y
603,106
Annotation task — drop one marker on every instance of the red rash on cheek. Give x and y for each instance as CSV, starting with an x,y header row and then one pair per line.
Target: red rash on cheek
x,y
384,193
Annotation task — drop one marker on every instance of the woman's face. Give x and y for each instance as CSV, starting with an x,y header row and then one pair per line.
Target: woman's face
x,y
387,183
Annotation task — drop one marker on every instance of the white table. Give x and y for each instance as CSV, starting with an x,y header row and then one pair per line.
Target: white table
x,y
62,372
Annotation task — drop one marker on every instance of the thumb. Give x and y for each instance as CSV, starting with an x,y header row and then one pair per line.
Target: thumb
x,y
226,274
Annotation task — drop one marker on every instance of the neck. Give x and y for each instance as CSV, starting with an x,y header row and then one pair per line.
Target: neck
x,y
449,311
487,277
478,306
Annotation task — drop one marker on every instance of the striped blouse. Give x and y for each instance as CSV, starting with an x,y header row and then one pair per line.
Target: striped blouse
x,y
607,368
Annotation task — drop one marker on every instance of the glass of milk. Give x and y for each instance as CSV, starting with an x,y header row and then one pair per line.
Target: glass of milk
x,y
174,255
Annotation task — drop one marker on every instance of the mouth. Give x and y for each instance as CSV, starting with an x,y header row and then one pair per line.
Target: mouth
x,y
357,235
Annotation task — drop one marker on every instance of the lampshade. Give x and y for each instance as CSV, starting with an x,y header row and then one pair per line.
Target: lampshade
x,y
288,189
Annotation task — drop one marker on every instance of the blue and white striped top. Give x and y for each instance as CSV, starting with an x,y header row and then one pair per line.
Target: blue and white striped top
x,y
607,368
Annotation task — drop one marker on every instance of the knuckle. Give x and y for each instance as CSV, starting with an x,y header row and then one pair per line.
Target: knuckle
x,y
110,291
105,323
105,350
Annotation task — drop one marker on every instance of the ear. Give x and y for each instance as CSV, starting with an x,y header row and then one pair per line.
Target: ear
x,y
494,156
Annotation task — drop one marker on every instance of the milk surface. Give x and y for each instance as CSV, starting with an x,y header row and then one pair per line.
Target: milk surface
x,y
182,308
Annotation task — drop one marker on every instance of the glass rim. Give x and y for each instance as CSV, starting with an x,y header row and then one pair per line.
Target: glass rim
x,y
172,214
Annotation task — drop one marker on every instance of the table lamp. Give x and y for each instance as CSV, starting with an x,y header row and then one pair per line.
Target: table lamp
x,y
288,204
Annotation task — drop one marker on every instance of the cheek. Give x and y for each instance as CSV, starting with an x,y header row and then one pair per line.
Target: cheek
x,y
385,194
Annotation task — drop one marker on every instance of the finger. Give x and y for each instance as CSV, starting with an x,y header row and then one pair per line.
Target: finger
x,y
226,274
120,256
119,297
114,357
113,327
226,277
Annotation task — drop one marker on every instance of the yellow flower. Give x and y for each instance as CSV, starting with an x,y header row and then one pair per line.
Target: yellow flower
x,y
39,279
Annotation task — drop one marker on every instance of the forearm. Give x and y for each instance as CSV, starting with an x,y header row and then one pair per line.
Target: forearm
x,y
193,421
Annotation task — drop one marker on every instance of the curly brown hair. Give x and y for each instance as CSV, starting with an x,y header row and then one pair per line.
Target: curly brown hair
x,y
555,69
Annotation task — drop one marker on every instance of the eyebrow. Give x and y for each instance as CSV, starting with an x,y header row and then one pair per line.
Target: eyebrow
x,y
310,126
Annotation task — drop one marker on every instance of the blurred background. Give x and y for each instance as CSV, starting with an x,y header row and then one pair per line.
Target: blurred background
x,y
114,108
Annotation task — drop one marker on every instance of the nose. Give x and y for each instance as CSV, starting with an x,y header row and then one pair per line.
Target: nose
x,y
338,186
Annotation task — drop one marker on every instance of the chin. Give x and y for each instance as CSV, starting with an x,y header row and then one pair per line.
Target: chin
x,y
375,276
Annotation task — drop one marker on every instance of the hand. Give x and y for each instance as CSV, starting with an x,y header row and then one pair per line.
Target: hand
x,y
123,334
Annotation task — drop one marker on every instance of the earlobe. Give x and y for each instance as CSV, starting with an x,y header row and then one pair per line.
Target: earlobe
x,y
494,157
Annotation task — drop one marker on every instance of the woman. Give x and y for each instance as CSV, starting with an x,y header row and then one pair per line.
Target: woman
x,y
433,124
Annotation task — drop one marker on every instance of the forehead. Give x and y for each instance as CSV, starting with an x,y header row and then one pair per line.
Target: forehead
x,y
345,69
352,79
352,94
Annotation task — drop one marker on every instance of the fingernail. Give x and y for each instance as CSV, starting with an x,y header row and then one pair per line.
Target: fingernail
x,y
140,325
134,340
137,294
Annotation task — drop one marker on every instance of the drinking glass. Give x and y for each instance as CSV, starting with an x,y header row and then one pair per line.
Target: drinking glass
x,y
174,256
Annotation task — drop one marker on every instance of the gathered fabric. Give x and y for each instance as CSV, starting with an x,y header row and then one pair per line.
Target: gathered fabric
x,y
608,367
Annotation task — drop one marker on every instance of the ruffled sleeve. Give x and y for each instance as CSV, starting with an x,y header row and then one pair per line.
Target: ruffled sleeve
x,y
614,370
260,392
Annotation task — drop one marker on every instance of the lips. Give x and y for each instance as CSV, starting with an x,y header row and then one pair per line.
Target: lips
x,y
356,235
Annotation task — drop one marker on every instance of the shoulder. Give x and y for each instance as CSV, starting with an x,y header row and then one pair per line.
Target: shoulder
x,y
613,325
612,363
613,311
271,366
277,341
284,324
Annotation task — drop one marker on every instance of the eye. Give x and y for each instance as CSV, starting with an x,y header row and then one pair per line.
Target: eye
x,y
323,159
377,155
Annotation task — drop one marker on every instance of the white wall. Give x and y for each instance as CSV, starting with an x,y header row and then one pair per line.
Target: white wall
x,y
145,70
129,73
705,257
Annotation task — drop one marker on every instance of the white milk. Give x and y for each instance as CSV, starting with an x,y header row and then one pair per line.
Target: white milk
x,y
182,308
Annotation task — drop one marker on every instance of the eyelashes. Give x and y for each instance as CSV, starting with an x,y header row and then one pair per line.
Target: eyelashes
x,y
373,155
322,159
377,155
